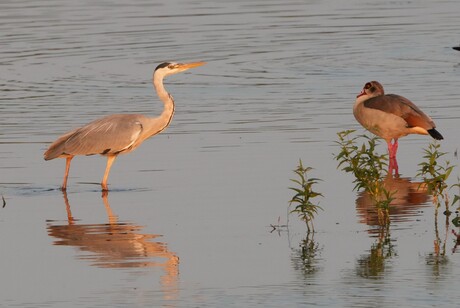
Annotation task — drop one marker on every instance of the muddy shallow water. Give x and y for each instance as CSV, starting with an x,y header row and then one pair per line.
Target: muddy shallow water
x,y
187,220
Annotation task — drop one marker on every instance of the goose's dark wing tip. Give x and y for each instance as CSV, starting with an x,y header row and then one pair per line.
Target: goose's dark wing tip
x,y
435,134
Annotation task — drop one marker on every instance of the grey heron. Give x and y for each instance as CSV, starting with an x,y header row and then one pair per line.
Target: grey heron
x,y
118,133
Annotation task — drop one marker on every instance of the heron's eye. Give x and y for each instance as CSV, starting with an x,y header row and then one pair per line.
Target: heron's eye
x,y
367,86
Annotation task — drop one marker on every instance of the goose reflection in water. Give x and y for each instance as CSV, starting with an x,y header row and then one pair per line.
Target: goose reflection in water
x,y
408,198
117,245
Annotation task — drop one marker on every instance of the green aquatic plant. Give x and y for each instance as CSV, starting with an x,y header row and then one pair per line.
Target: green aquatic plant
x,y
435,176
368,167
305,208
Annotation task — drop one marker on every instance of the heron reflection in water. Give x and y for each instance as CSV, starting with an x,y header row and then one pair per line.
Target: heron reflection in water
x,y
117,245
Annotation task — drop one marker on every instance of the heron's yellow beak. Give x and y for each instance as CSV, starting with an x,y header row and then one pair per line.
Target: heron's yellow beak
x,y
186,66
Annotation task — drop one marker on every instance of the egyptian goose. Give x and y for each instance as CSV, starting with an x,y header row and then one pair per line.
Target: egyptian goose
x,y
391,116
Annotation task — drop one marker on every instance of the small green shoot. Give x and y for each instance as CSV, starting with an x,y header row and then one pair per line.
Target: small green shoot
x,y
305,208
435,176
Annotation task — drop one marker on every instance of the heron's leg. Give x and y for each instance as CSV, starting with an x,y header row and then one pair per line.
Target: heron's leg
x,y
66,174
110,160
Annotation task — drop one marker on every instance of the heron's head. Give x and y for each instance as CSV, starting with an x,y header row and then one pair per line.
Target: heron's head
x,y
170,68
372,89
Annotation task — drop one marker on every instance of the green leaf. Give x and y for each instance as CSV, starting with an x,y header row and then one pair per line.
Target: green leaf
x,y
456,198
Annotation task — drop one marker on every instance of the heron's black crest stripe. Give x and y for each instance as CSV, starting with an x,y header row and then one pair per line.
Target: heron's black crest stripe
x,y
164,64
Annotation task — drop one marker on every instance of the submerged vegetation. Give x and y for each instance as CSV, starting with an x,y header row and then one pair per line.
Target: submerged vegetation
x,y
305,208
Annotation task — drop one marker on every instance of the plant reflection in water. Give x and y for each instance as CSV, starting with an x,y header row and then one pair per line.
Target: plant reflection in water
x,y
456,233
305,258
373,264
408,198
117,245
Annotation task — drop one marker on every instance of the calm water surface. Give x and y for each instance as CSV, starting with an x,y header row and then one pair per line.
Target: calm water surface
x,y
187,220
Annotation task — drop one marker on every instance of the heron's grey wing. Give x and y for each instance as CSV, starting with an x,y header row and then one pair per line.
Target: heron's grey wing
x,y
109,135
402,107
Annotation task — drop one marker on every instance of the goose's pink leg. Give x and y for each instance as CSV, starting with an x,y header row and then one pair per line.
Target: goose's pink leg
x,y
395,147
393,167
392,148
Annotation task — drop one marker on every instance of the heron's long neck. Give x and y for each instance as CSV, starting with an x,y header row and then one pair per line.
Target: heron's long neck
x,y
166,116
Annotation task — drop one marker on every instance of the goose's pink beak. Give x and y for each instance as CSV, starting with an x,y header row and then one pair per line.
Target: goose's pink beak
x,y
361,93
